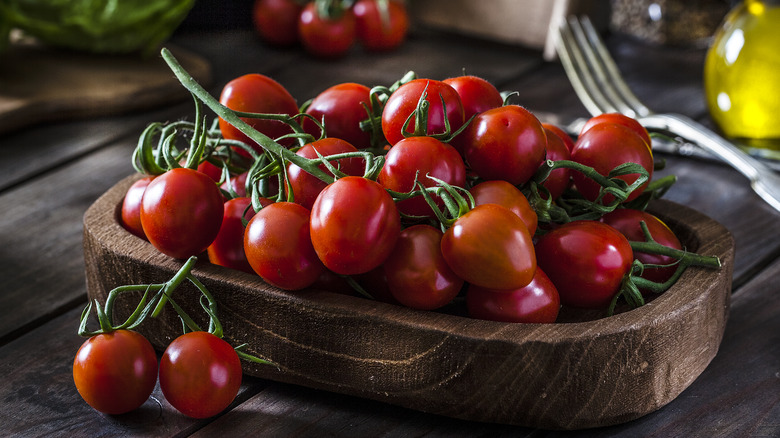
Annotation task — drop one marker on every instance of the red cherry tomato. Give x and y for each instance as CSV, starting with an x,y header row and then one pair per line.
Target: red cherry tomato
x,y
508,196
604,147
381,30
537,302
586,261
619,119
327,37
490,246
211,170
306,186
276,21
181,212
278,246
476,94
403,102
341,109
131,207
417,275
256,93
228,247
354,225
505,143
567,140
559,179
115,372
200,374
236,183
419,157
627,221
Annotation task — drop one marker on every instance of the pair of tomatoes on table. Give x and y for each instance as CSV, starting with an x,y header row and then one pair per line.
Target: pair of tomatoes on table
x,y
417,194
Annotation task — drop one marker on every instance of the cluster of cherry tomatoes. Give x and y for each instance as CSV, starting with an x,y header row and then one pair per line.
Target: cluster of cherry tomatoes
x,y
329,28
414,194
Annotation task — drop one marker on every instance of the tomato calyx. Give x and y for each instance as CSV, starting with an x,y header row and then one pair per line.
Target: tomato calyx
x,y
420,117
378,96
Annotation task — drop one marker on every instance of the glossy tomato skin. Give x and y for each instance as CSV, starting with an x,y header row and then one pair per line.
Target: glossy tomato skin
x,y
131,207
237,184
627,221
566,138
476,94
502,193
276,21
505,143
181,212
306,186
403,102
200,374
115,372
341,109
491,247
604,147
619,119
227,249
256,93
417,274
373,31
586,261
559,179
354,225
278,246
537,302
426,156
326,37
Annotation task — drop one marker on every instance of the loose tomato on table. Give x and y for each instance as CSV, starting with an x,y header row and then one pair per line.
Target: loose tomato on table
x,y
537,302
340,109
326,36
276,21
131,207
181,212
115,372
200,374
381,25
586,261
502,193
354,225
417,274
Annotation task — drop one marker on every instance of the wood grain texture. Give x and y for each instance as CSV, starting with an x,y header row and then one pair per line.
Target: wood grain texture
x,y
557,376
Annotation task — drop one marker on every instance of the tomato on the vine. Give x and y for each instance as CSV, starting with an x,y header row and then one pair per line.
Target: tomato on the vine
x,y
328,37
505,143
403,102
586,261
276,21
181,212
131,207
278,246
619,119
537,302
227,249
417,158
340,109
380,30
115,372
567,140
476,94
559,179
200,374
417,274
354,225
506,195
491,247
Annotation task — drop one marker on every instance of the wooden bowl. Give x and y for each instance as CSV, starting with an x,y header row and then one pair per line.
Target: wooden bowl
x,y
555,376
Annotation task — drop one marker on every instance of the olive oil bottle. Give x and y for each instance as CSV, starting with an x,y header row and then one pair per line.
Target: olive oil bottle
x,y
742,76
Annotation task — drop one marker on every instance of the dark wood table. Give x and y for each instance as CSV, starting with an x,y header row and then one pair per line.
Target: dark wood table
x,y
50,173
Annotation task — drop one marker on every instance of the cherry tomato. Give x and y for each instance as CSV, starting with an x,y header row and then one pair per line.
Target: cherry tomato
x,y
214,172
256,93
567,140
490,246
200,374
586,261
237,183
627,221
476,94
403,102
276,21
115,372
506,195
327,37
306,186
417,275
354,225
421,157
228,247
181,212
278,246
537,302
131,207
559,179
604,147
341,109
620,119
505,143
380,30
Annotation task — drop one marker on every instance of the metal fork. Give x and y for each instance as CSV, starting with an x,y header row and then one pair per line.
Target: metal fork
x,y
599,85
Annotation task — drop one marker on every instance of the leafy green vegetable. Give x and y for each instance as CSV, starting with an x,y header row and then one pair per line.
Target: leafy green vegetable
x,y
101,26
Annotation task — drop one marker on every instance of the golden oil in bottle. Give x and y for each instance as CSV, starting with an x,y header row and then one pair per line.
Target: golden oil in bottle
x,y
742,75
